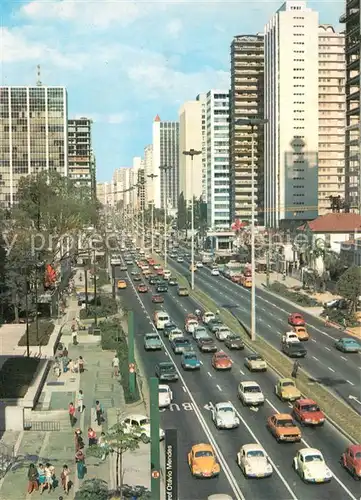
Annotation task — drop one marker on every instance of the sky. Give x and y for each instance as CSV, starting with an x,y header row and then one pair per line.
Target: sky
x,y
123,62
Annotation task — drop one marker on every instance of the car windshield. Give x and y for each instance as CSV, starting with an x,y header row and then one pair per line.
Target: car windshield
x,y
358,455
191,357
233,336
181,341
314,458
252,388
167,368
310,408
163,390
169,326
223,329
144,421
203,453
226,409
255,453
200,329
288,384
285,422
222,356
255,358
207,340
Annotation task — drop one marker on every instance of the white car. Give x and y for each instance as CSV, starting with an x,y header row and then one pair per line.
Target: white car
x,y
165,396
222,333
140,424
311,466
207,317
215,272
191,325
224,415
199,264
174,334
253,461
290,338
250,393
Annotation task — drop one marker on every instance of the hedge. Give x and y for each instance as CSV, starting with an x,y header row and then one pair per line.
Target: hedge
x,y
338,316
106,306
16,375
297,297
45,329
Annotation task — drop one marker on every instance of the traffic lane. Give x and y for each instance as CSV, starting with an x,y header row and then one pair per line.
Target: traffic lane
x,y
327,439
180,416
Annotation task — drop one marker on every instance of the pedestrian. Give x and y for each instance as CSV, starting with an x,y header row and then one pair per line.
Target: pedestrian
x,y
344,323
80,464
74,331
57,367
92,437
103,444
49,477
115,365
32,479
80,401
72,416
327,320
99,413
79,442
41,477
295,368
81,364
65,480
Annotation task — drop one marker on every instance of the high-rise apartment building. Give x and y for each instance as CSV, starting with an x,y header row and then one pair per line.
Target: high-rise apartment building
x,y
191,137
331,117
291,107
352,18
148,170
202,99
104,193
118,186
165,153
141,180
217,159
80,154
33,126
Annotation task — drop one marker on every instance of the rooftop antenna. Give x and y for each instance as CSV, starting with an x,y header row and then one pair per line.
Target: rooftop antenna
x,y
38,83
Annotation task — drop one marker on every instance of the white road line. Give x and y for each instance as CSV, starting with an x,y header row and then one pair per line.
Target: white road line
x,y
219,388
327,348
313,340
240,371
184,389
351,383
201,362
331,370
343,357
314,357
209,373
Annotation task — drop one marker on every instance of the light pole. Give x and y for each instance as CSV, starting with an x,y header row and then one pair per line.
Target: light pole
x,y
152,177
192,153
252,122
164,168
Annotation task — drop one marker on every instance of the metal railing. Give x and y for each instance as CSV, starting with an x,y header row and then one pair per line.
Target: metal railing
x,y
42,426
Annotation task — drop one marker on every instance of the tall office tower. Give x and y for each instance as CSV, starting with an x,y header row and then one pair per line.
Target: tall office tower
x,y
127,183
291,106
165,153
104,193
118,186
148,170
190,137
141,187
217,159
351,18
202,99
331,118
33,124
80,157
246,100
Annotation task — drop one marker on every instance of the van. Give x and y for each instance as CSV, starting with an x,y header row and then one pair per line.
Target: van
x,y
166,274
160,319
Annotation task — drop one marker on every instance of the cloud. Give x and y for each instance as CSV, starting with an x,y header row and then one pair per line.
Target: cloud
x,y
174,28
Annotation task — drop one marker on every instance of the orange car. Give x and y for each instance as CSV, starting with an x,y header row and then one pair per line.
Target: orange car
x,y
301,333
221,361
202,461
283,428
308,412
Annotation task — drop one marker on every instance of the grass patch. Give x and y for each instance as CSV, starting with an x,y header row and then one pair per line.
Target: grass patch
x,y
40,337
16,375
298,298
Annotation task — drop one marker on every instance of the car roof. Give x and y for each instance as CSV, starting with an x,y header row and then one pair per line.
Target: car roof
x,y
163,386
253,446
282,380
309,451
152,333
355,447
202,447
221,353
249,383
226,404
219,496
282,415
347,339
307,401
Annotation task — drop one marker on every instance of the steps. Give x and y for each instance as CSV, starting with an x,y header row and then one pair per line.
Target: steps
x,y
44,421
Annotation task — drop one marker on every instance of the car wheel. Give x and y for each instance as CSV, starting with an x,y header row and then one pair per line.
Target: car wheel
x,y
144,438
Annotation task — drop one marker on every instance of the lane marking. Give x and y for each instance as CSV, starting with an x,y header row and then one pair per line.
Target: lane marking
x,y
219,388
240,371
351,383
314,357
313,340
184,389
331,370
209,373
328,348
343,357
201,362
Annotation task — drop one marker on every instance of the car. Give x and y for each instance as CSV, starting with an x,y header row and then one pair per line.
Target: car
x,y
190,361
206,344
290,337
294,349
166,371
351,460
140,425
162,287
190,324
296,319
180,344
253,461
255,363
137,277
175,333
311,466
180,259
134,272
234,342
347,345
221,361
286,390
307,412
214,324
165,396
222,333
199,264
157,299
202,461
124,268
172,281
153,280
142,288
152,342
160,271
199,332
250,393
283,428
215,272
169,327
301,333
182,291
121,284
207,317
224,415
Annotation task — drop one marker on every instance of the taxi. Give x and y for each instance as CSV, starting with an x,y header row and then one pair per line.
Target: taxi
x,y
221,361
286,390
307,412
202,461
301,333
283,428
121,284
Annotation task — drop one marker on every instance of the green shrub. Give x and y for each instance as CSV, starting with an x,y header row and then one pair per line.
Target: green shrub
x,y
338,316
111,331
16,375
122,352
106,306
40,337
297,297
102,277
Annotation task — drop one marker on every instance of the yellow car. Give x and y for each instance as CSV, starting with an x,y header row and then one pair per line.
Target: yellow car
x,y
182,291
255,363
286,390
202,461
301,332
122,284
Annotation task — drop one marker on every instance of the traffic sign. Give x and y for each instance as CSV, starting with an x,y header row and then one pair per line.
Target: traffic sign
x,y
155,474
131,368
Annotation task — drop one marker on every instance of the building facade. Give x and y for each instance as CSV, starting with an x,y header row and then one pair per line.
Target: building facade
x,y
217,159
148,170
191,137
291,107
352,18
33,126
202,99
331,118
80,154
246,99
104,192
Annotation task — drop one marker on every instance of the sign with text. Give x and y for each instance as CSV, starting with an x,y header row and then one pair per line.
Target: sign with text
x,y
171,465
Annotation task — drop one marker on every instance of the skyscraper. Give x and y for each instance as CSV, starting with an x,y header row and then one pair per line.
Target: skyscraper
x,y
148,170
246,100
291,106
33,124
80,154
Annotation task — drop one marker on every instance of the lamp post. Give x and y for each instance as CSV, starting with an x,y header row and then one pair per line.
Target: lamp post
x,y
152,177
252,122
192,153
164,168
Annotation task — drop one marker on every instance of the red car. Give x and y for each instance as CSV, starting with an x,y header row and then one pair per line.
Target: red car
x,y
351,460
142,288
160,272
307,412
221,361
296,319
157,299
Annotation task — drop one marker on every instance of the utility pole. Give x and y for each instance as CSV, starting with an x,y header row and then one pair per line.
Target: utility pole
x,y
27,319
154,439
131,357
95,292
165,168
86,288
268,258
113,282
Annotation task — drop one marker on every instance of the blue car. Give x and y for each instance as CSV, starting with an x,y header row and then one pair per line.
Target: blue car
x,y
190,361
180,345
347,345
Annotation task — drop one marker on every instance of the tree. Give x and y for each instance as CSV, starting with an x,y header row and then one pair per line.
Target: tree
x,y
93,489
349,286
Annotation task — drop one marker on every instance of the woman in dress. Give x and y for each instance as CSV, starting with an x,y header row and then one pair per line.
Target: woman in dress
x,y
32,479
49,477
80,464
41,477
65,479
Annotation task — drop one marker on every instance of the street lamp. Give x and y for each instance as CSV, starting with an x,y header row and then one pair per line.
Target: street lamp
x,y
192,153
164,168
152,177
252,122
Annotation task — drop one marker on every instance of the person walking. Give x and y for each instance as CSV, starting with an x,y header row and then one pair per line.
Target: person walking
x,y
295,368
74,331
79,442
65,479
99,413
72,416
41,477
49,477
80,401
81,364
115,365
32,479
80,464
